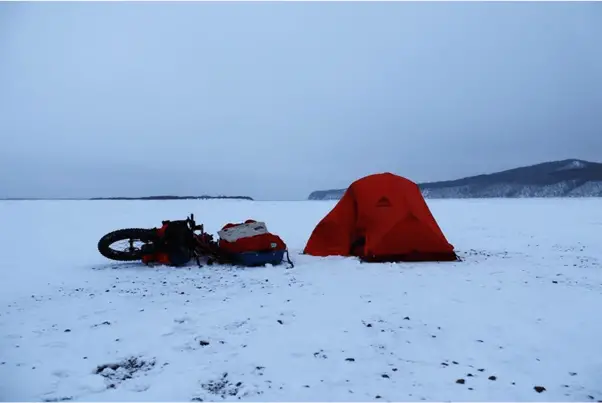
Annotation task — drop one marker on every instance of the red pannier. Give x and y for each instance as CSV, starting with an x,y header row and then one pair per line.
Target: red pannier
x,y
251,244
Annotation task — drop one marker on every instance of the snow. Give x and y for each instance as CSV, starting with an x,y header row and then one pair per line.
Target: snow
x,y
591,188
568,188
574,164
522,307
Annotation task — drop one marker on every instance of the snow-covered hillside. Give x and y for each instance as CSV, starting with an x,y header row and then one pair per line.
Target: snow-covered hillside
x,y
569,188
515,321
566,178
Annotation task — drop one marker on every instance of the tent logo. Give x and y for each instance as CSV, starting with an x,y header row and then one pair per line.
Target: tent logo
x,y
383,202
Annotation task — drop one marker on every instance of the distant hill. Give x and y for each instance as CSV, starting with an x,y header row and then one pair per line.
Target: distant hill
x,y
173,198
567,178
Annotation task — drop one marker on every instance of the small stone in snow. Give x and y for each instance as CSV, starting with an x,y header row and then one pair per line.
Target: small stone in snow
x,y
455,362
469,375
406,318
572,373
350,359
279,321
394,370
378,397
492,378
539,389
461,381
555,282
385,376
204,343
67,330
369,325
481,369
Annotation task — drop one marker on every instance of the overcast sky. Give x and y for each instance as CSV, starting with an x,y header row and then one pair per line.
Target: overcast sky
x,y
274,100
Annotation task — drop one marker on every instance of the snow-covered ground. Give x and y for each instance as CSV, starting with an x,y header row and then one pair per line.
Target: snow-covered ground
x,y
522,310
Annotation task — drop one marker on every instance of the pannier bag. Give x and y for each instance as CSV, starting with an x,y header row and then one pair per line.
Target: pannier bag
x,y
251,244
173,246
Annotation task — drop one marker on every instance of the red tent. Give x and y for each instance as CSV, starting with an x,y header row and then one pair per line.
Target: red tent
x,y
381,217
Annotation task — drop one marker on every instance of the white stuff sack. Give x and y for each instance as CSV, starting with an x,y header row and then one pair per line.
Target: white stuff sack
x,y
232,234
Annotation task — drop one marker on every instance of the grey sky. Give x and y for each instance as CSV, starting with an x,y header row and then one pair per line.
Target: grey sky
x,y
274,100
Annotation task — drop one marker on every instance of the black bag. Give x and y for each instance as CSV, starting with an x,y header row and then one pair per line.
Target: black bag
x,y
176,240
